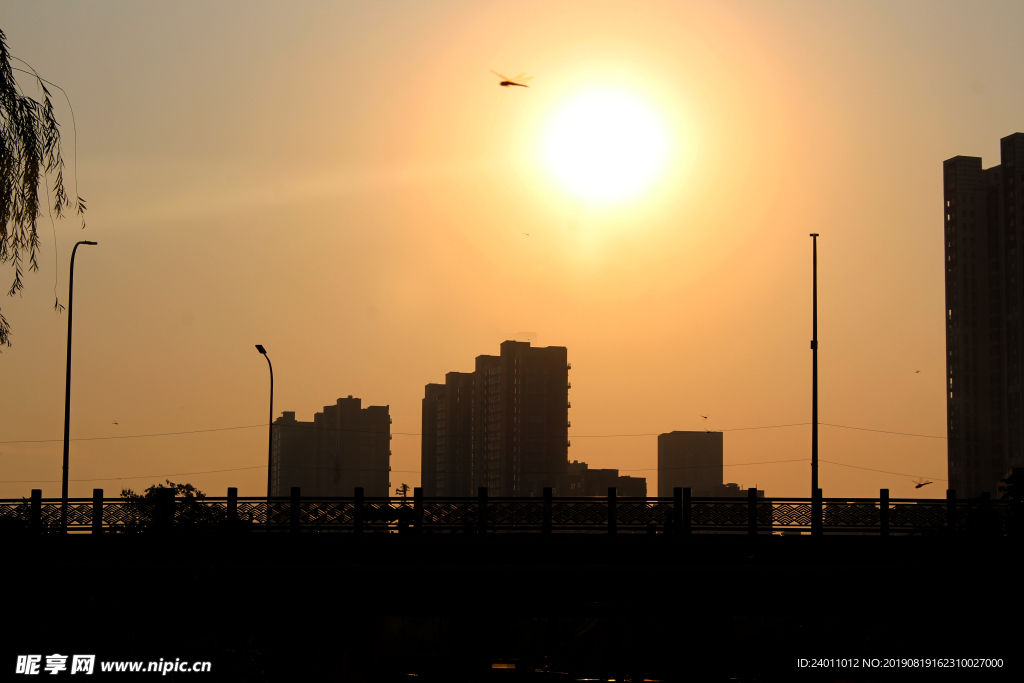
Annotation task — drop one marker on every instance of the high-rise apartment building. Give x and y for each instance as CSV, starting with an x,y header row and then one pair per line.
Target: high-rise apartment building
x,y
984,292
504,426
344,447
447,466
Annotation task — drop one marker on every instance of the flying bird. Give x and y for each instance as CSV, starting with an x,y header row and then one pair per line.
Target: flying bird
x,y
506,81
921,482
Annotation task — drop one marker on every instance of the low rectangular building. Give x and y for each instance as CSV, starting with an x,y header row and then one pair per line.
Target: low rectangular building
x,y
690,460
581,480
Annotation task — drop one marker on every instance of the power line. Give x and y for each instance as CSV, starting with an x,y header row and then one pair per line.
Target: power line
x,y
729,464
648,469
364,431
147,476
858,467
651,469
135,436
351,469
883,431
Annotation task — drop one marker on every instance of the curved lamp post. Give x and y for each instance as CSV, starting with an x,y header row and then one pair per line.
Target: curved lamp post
x,y
270,436
67,395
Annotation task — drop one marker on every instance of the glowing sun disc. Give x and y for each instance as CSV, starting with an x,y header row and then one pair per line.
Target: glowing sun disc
x,y
605,146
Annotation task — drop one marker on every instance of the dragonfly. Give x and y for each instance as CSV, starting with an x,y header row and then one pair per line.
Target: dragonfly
x,y
506,81
921,482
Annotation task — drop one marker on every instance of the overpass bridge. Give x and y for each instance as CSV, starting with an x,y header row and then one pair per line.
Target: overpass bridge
x,y
652,589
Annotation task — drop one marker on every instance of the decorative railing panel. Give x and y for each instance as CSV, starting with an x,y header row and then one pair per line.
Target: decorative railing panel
x,y
518,515
917,515
644,513
852,515
119,515
787,515
51,514
252,511
713,514
450,514
327,515
579,514
14,512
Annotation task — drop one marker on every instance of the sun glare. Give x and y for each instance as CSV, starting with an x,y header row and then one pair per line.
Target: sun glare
x,y
605,146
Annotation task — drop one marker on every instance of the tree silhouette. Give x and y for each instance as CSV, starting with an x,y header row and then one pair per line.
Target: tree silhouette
x,y
142,507
187,491
29,152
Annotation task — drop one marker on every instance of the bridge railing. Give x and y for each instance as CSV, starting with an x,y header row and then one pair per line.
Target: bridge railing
x,y
680,514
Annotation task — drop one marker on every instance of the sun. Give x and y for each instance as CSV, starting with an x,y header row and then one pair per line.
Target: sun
x,y
605,146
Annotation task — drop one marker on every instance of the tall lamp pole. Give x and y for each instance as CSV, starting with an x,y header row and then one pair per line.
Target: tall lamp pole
x,y
270,436
814,371
67,395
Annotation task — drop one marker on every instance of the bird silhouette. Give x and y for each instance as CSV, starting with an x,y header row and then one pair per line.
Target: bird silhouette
x,y
921,482
506,81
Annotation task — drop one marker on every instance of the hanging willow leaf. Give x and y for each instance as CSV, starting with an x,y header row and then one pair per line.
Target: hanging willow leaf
x,y
29,150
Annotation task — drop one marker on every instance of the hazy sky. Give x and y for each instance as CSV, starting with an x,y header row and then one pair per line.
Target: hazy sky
x,y
346,184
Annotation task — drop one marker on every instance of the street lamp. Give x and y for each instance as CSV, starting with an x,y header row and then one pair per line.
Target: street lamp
x,y
814,371
270,436
67,395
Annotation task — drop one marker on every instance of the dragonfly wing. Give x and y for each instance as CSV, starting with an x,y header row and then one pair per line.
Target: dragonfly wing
x,y
504,78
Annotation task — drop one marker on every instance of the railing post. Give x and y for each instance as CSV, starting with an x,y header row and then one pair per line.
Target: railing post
x,y
97,511
357,513
883,512
951,511
294,509
677,510
547,510
687,516
482,509
417,510
752,512
613,522
816,513
232,505
35,511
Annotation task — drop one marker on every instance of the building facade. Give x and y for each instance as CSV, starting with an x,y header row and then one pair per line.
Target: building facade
x,y
447,466
346,446
504,426
581,480
690,460
984,291
694,460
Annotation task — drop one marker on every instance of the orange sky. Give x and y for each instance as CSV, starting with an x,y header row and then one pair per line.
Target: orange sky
x,y
346,184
